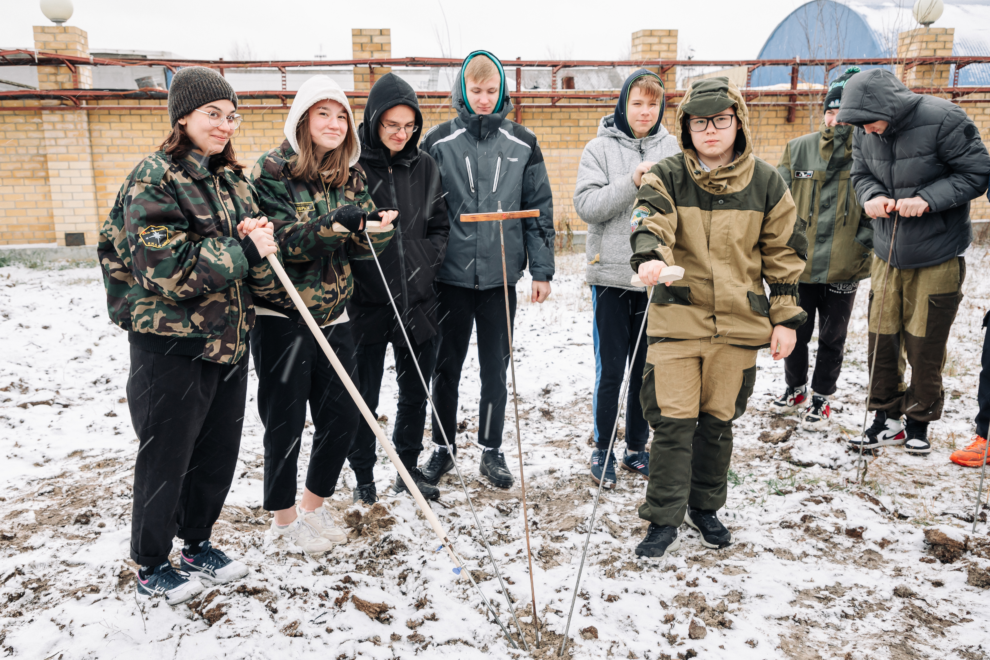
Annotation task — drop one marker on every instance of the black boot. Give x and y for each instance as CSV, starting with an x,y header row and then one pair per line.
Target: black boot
x,y
428,490
440,463
494,468
660,541
713,532
366,493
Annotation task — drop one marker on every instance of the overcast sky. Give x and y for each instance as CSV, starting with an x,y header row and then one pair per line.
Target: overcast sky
x,y
300,29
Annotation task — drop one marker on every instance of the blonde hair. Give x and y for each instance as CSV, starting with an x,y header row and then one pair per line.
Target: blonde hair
x,y
480,69
650,86
336,162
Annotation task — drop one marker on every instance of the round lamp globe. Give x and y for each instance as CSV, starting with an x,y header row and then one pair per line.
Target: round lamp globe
x,y
57,11
927,12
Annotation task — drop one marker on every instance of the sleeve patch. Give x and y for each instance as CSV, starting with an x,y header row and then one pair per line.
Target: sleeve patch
x,y
652,198
304,208
155,236
803,174
639,214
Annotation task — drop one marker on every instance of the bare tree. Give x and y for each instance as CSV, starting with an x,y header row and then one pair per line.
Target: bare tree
x,y
241,51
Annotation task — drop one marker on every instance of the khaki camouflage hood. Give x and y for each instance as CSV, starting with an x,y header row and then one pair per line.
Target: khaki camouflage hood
x,y
709,97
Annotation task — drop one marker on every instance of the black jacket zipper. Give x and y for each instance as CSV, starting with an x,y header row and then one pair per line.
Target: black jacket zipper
x,y
403,283
467,163
498,169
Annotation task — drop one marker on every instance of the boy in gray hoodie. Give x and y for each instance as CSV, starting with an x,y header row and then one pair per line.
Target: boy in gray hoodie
x,y
629,142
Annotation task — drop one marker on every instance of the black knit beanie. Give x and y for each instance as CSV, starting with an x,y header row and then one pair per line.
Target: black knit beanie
x,y
195,86
833,98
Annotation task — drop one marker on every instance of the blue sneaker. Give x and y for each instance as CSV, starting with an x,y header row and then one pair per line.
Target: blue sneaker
x,y
602,470
637,461
212,565
176,586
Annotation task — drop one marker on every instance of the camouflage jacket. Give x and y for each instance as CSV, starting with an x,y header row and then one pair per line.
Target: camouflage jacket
x,y
317,259
172,263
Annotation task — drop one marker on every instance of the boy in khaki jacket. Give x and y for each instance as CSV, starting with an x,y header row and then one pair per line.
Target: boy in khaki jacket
x,y
728,219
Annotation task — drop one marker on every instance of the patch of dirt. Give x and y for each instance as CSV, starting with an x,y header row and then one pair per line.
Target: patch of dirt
x,y
712,615
371,524
978,577
944,548
376,611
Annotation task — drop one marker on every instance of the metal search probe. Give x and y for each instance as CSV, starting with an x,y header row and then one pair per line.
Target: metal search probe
x,y
500,216
450,450
979,490
861,465
431,518
601,483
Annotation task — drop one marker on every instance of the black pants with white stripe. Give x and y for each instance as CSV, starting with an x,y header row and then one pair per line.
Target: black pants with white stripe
x,y
187,414
461,309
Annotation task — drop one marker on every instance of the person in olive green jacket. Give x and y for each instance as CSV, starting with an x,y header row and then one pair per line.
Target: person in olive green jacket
x,y
840,236
728,219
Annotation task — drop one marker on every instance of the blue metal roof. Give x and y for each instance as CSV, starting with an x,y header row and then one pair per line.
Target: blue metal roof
x,y
817,29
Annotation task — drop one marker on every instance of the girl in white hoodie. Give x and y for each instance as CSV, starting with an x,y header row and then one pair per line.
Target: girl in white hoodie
x,y
306,186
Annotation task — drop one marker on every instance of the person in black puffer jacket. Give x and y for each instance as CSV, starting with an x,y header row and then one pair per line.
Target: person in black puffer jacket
x,y
402,176
920,158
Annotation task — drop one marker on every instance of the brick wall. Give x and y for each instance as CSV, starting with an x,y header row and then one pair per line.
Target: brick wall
x,y
60,171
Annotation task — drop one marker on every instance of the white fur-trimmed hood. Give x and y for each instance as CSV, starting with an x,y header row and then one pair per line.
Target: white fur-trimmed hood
x,y
314,90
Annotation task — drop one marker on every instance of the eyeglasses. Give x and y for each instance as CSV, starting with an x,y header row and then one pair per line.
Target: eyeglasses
x,y
700,124
217,120
392,129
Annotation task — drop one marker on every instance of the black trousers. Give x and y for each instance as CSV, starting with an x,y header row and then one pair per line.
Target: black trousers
x,y
410,417
460,310
617,317
833,304
983,394
187,414
293,371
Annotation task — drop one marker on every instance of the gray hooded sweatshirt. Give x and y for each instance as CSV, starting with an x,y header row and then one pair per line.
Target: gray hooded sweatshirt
x,y
605,194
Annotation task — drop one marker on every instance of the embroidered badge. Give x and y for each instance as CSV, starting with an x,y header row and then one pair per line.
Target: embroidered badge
x,y
805,174
638,214
303,207
155,237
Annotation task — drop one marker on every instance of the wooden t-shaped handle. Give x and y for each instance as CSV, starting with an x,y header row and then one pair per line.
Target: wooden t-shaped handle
x,y
498,215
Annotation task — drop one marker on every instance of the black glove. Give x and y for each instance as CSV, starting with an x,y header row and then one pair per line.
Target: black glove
x,y
349,215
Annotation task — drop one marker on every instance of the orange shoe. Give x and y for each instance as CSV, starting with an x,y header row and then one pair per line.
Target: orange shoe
x,y
971,456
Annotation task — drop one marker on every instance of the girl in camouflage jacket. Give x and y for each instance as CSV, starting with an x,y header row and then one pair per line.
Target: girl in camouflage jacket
x,y
182,252
314,192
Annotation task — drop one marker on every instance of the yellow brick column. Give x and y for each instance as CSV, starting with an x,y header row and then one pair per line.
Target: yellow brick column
x,y
925,42
67,146
369,44
657,45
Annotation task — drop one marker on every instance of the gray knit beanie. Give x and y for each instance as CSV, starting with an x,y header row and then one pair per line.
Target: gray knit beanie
x,y
195,86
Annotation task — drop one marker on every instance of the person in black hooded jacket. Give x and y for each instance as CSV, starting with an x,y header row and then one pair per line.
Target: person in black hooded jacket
x,y
918,160
401,176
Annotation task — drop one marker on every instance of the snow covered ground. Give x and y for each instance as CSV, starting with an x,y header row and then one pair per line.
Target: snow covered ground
x,y
821,567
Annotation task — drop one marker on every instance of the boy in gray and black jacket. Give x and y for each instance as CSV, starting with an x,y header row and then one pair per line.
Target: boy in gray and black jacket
x,y
629,142
486,162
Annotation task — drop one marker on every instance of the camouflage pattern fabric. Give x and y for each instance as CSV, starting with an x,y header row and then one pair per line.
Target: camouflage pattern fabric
x,y
317,259
171,259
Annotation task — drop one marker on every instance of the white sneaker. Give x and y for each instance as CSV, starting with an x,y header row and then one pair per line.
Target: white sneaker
x,y
323,523
303,534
